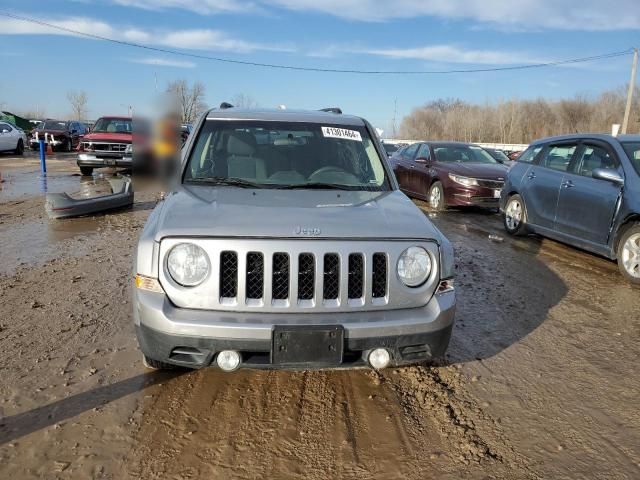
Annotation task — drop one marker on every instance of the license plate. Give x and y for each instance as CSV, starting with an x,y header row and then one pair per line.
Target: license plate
x,y
109,161
311,346
496,193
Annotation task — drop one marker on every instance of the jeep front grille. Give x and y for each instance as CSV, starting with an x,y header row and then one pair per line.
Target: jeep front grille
x,y
228,274
379,280
331,284
306,276
280,280
356,276
255,275
300,275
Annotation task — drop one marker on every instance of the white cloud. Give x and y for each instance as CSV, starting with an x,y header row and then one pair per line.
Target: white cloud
x,y
453,54
201,39
528,14
163,62
581,15
204,7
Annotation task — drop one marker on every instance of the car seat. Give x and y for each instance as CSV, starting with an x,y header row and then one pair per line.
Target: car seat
x,y
241,162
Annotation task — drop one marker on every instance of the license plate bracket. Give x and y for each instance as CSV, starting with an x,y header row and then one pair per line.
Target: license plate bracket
x,y
307,345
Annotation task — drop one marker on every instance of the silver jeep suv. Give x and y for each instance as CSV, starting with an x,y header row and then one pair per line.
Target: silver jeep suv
x,y
286,243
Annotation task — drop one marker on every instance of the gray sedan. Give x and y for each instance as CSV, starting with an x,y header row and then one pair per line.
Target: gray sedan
x,y
583,190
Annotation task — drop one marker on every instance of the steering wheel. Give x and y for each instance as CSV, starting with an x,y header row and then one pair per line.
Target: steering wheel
x,y
331,169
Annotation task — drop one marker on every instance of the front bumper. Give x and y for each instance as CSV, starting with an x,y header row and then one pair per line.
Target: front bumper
x,y
192,338
473,196
100,160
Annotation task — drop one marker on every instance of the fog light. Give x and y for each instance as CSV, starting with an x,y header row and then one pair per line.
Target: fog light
x,y
379,358
228,360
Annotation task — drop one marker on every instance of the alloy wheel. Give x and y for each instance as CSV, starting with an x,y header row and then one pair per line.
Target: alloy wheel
x,y
631,255
513,214
435,197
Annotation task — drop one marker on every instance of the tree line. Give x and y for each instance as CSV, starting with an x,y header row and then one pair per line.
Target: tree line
x,y
518,121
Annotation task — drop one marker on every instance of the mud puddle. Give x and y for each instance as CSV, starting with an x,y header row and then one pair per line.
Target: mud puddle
x,y
22,183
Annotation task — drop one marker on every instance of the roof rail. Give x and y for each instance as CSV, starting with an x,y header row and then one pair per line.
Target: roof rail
x,y
225,105
337,110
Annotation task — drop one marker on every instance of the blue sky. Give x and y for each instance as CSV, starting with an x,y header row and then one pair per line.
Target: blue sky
x,y
39,65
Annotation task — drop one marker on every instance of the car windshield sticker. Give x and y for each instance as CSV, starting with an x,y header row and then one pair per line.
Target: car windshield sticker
x,y
332,132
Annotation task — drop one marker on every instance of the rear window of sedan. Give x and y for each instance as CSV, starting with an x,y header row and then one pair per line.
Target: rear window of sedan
x,y
462,154
633,152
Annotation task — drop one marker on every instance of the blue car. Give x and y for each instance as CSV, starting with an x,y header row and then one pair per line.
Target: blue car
x,y
583,190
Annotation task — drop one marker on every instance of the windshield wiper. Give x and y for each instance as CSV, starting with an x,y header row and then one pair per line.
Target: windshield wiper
x,y
229,181
318,186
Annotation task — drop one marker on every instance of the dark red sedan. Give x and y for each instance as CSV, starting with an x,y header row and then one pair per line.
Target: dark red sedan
x,y
450,174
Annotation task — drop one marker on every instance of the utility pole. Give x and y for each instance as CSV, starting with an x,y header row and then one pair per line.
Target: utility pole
x,y
632,85
395,112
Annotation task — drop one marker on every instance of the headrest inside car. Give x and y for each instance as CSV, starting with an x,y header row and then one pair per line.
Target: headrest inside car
x,y
241,143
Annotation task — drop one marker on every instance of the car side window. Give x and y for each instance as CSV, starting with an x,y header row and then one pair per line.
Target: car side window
x,y
592,157
558,157
5,127
423,151
529,155
410,152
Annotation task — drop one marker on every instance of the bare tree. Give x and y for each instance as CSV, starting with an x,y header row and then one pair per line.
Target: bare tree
x,y
243,100
187,101
517,121
78,101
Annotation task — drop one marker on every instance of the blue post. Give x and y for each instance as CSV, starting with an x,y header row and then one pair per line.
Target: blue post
x,y
43,158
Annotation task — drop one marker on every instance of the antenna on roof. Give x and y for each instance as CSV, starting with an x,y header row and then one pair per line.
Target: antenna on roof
x,y
337,110
225,105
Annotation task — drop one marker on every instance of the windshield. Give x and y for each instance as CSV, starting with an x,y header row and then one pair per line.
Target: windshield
x,y
53,125
112,125
499,155
462,154
633,152
390,148
285,155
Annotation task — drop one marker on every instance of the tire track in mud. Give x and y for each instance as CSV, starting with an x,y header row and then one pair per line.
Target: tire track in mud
x,y
434,397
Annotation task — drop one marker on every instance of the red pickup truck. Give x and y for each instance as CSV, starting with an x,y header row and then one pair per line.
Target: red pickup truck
x,y
110,144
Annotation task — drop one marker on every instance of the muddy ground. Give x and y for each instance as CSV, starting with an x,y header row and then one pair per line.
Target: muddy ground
x,y
540,380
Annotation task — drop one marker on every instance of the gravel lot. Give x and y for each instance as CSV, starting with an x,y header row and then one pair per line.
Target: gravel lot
x,y
540,379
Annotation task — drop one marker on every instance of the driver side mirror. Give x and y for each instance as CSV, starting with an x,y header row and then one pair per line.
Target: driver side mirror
x,y
4,130
423,160
608,174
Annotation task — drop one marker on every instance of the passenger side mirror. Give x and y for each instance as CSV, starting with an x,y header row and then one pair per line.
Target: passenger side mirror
x,y
608,174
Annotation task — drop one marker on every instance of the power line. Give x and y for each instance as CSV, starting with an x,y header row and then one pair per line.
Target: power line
x,y
317,69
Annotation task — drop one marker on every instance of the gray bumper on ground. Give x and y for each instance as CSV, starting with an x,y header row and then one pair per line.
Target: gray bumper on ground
x,y
192,337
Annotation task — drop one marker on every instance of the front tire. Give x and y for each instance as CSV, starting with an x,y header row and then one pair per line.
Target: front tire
x,y
629,254
436,197
68,146
515,218
86,171
19,148
151,364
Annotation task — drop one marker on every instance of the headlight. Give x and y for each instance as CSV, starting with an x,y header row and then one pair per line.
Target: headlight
x,y
129,149
414,266
188,264
466,181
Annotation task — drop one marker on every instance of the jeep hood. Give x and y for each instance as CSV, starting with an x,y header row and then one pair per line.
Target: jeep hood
x,y
197,211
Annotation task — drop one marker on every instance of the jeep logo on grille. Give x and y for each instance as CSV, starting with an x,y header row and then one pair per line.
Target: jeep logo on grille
x,y
309,231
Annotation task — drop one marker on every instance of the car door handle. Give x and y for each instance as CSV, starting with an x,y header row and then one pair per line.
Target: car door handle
x,y
568,184
531,176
